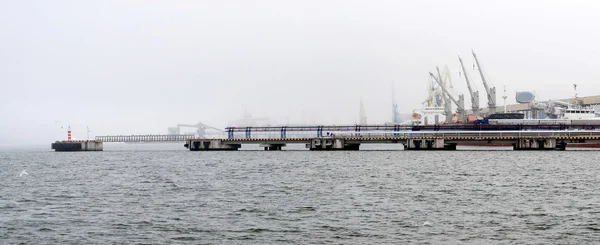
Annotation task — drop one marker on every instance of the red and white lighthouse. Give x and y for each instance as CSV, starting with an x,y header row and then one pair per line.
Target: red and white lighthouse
x,y
69,133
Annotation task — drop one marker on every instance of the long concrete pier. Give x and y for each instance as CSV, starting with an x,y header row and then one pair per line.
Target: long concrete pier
x,y
146,138
520,140
411,140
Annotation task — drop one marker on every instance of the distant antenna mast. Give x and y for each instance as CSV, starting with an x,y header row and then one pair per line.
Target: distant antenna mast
x,y
575,90
504,97
395,118
362,116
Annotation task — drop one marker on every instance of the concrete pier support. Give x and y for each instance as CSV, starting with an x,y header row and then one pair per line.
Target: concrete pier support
x,y
272,147
77,146
428,145
210,145
331,144
450,147
537,144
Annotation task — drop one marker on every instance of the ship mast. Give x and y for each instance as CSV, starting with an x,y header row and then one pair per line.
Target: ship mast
x,y
575,96
504,97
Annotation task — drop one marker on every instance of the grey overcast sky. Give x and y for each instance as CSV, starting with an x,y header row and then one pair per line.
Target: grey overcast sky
x,y
128,67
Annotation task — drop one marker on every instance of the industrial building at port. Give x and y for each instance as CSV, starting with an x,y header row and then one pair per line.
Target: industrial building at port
x,y
438,107
530,109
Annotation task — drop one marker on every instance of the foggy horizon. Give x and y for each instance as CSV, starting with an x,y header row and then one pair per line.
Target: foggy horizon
x,y
139,67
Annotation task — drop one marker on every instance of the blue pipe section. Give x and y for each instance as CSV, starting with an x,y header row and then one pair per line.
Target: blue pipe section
x,y
283,132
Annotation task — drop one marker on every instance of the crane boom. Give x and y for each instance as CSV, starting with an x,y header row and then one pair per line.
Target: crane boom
x,y
199,125
474,94
491,91
447,104
445,90
460,103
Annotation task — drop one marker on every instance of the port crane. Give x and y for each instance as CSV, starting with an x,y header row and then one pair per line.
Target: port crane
x,y
491,91
201,129
460,103
446,79
474,94
447,104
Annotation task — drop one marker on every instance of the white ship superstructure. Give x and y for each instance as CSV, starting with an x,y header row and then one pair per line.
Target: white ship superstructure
x,y
433,111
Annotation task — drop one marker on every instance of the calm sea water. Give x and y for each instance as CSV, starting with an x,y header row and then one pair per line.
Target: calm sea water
x,y
163,194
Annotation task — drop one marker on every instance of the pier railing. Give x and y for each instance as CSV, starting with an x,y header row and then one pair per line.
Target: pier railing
x,y
146,138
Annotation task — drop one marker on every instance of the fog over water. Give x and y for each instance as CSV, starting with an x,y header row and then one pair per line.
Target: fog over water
x,y
133,67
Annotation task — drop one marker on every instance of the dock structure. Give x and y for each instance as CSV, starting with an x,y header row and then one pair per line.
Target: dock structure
x,y
342,139
320,131
77,145
431,140
146,138
97,143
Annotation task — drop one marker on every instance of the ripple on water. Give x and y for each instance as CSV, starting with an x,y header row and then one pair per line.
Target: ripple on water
x,y
254,197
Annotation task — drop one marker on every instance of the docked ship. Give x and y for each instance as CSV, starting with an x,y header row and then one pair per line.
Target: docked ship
x,y
434,115
585,118
434,107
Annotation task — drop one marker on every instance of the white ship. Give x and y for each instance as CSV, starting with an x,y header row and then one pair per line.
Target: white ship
x,y
429,115
580,113
433,110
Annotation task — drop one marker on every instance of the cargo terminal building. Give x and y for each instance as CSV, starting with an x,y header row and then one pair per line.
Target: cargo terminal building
x,y
545,109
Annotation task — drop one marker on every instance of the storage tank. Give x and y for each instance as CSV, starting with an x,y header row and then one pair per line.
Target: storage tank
x,y
525,97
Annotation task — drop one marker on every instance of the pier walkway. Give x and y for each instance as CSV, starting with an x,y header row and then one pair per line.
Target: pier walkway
x,y
145,138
